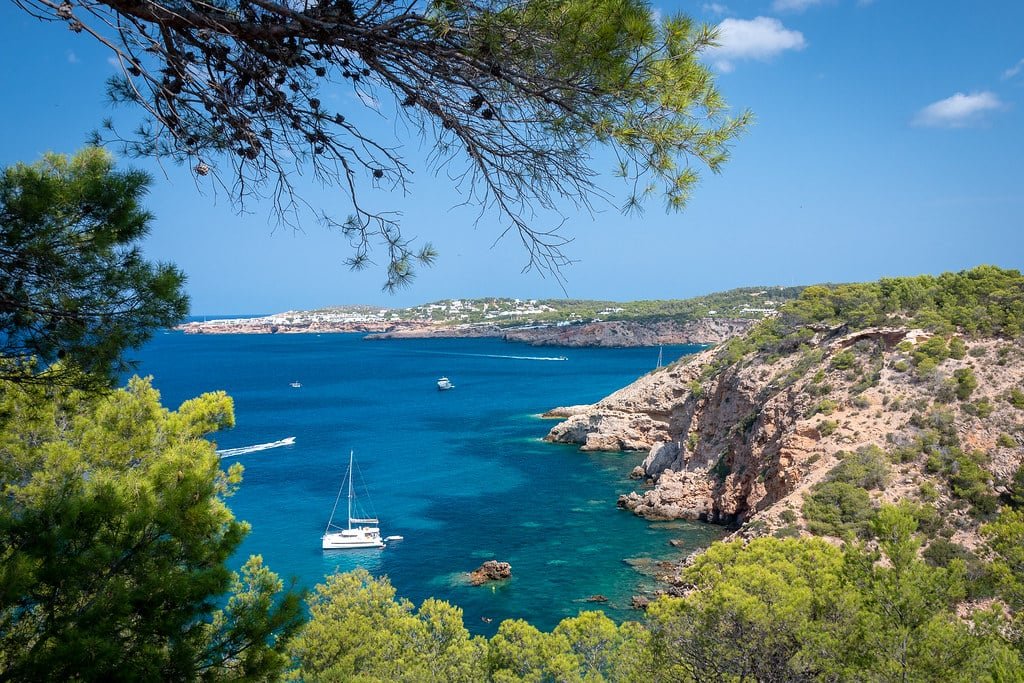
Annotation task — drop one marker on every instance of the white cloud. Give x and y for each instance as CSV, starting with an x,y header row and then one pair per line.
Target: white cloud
x,y
1013,70
715,8
761,38
793,5
72,57
958,111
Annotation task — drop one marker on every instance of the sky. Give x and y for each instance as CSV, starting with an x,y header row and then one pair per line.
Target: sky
x,y
887,140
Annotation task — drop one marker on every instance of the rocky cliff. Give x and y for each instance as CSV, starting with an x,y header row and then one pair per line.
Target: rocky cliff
x,y
742,438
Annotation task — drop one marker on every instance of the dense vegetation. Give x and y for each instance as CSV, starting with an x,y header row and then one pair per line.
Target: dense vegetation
x,y
986,301
768,610
114,538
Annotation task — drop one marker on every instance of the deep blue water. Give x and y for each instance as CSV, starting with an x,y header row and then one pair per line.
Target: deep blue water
x,y
463,475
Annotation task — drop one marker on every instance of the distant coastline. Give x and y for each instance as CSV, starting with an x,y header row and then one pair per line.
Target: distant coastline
x,y
703,320
593,334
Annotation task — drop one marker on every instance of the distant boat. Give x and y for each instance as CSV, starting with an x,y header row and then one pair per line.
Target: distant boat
x,y
444,384
366,533
660,356
295,385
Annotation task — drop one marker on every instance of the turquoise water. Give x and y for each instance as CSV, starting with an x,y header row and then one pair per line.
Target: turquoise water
x,y
463,475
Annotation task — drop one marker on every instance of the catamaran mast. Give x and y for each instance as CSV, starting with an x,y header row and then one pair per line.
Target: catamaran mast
x,y
350,489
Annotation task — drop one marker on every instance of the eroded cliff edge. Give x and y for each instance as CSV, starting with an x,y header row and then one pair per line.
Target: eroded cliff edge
x,y
742,433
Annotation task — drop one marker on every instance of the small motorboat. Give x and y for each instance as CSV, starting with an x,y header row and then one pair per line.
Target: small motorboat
x,y
444,384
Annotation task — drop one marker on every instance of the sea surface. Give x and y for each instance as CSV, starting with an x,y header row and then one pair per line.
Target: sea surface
x,y
463,475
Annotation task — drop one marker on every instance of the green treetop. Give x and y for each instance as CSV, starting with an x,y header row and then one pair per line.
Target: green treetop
x,y
114,536
73,283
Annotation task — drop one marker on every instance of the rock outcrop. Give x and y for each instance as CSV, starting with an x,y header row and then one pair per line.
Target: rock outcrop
x,y
739,443
491,570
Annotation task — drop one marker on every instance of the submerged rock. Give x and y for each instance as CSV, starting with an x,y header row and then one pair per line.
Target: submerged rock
x,y
491,570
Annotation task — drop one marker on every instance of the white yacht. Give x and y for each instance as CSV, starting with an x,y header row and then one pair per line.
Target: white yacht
x,y
444,384
361,532
296,384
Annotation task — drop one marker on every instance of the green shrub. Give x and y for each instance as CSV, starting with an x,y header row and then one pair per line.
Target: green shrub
x,y
788,516
826,407
696,389
1015,494
860,401
844,360
957,348
970,481
1006,441
982,408
941,552
823,389
966,383
928,492
867,468
934,349
837,509
946,391
1016,398
926,367
827,427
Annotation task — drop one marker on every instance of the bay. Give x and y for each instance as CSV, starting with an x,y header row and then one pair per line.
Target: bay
x,y
463,475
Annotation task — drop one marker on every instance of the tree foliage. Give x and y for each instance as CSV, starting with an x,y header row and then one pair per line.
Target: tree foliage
x,y
764,610
73,283
516,97
114,536
984,301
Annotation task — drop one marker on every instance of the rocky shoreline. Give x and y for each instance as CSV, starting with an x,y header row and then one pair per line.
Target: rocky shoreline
x,y
743,446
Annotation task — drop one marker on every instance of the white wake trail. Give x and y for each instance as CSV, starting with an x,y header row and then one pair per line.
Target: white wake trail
x,y
232,452
493,355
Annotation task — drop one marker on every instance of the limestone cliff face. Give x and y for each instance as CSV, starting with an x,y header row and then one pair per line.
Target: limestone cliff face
x,y
744,443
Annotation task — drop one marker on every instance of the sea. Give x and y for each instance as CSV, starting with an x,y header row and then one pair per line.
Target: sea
x,y
462,475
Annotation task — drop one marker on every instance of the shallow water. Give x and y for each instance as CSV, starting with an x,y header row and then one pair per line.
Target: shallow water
x,y
463,475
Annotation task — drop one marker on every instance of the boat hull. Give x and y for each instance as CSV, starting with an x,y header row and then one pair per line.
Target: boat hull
x,y
344,540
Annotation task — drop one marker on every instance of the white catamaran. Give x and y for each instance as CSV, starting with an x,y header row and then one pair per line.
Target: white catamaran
x,y
366,533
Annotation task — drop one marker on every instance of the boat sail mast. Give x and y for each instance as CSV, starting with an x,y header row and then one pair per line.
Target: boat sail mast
x,y
350,475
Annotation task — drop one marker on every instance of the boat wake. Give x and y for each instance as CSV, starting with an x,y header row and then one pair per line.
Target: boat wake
x,y
495,355
232,452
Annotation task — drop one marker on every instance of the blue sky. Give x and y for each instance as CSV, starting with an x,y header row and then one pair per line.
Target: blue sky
x,y
888,141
